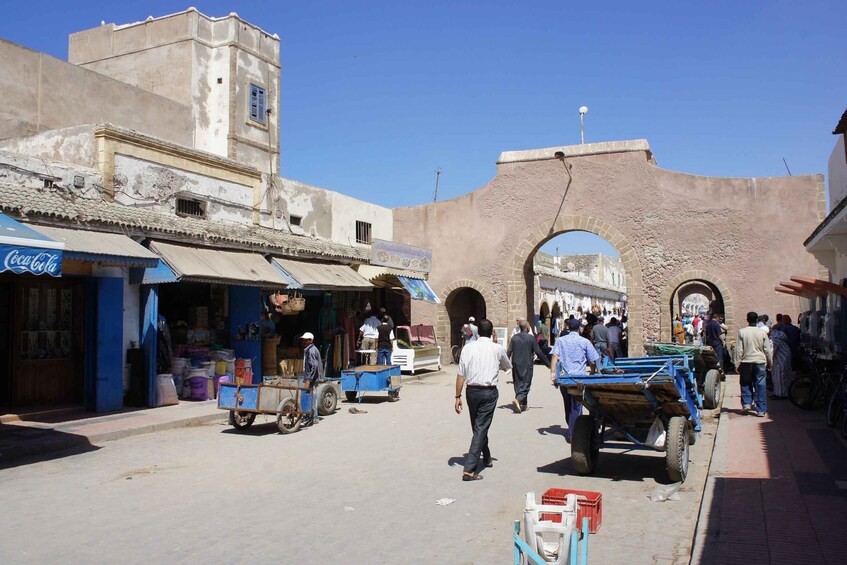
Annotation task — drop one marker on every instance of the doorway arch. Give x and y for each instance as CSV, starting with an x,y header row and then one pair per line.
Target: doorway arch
x,y
461,299
694,282
520,274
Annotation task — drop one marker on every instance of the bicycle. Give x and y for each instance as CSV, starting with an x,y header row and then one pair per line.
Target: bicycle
x,y
836,405
456,350
812,389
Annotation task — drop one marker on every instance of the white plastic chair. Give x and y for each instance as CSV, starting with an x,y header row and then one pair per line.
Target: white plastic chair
x,y
556,552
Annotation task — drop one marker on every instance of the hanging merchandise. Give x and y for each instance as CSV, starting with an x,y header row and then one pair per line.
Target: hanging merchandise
x,y
295,304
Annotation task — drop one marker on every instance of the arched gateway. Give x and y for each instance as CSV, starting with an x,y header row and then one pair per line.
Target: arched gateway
x,y
735,235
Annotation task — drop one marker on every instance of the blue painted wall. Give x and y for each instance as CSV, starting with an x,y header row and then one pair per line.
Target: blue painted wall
x,y
104,353
245,306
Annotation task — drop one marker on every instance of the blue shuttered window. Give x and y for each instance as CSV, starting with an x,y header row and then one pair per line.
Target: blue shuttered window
x,y
258,104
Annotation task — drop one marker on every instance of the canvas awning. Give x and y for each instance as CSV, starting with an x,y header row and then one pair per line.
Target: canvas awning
x,y
372,272
419,289
199,264
24,250
320,276
101,247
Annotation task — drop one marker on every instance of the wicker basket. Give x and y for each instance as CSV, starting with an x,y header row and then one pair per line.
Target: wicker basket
x,y
294,305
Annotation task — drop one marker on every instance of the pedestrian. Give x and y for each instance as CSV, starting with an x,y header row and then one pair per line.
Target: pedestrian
x,y
385,341
479,367
678,333
689,331
313,372
792,335
473,330
713,337
517,329
521,350
572,355
382,314
781,372
600,337
615,334
754,355
762,324
368,335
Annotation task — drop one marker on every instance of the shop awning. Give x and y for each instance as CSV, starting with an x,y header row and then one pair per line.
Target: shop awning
x,y
372,272
818,283
419,289
101,247
24,250
198,264
320,276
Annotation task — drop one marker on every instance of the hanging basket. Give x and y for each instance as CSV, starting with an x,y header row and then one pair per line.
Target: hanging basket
x,y
294,305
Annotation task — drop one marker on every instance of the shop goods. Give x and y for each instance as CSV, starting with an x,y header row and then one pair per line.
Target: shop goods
x,y
167,390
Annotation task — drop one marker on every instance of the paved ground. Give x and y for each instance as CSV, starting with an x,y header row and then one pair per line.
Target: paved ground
x,y
354,489
776,489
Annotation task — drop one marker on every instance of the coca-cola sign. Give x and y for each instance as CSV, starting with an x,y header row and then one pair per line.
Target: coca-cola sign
x,y
31,260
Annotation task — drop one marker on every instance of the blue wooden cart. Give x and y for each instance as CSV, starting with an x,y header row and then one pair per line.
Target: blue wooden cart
x,y
707,368
371,378
625,400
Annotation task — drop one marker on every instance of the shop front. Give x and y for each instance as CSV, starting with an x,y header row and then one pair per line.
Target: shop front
x,y
201,307
333,298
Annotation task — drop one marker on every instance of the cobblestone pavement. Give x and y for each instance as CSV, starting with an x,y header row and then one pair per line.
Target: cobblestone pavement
x,y
356,488
776,489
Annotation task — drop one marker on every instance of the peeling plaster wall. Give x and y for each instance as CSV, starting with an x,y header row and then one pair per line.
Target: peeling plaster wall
x,y
141,183
71,145
745,234
27,171
43,93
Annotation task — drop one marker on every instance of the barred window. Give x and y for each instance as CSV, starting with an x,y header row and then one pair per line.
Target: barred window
x,y
186,207
363,232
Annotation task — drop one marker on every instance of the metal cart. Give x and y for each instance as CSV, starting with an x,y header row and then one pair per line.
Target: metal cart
x,y
625,404
371,378
290,403
707,368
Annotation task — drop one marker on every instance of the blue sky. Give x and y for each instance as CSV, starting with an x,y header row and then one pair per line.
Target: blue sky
x,y
377,95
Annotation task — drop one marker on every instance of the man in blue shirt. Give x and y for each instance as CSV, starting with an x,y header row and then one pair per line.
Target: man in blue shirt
x,y
313,370
572,354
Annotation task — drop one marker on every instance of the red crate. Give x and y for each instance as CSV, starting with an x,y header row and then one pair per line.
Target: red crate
x,y
590,507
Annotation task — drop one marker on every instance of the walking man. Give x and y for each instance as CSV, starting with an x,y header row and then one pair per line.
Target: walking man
x,y
521,350
479,368
754,356
572,354
385,341
313,371
368,334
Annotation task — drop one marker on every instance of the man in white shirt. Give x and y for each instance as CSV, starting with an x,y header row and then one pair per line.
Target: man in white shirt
x,y
368,334
479,368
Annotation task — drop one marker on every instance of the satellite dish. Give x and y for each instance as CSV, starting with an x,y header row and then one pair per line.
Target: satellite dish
x,y
570,266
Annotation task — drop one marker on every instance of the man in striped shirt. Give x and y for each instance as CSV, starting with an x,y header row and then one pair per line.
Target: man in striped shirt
x,y
479,368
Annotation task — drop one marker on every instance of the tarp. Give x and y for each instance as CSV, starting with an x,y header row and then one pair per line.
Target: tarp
x,y
24,250
101,247
419,289
321,276
199,264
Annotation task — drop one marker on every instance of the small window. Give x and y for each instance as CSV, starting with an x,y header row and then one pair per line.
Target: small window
x,y
295,220
258,104
185,207
363,233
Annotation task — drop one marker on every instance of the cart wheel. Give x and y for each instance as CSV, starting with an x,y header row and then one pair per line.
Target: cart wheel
x,y
288,420
327,399
350,395
676,453
393,395
241,420
712,389
585,446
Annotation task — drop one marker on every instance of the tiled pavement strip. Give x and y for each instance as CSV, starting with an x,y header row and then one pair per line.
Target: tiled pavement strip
x,y
776,488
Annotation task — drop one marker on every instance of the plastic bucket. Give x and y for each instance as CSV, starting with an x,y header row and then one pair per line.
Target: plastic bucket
x,y
220,367
244,371
198,386
219,380
305,402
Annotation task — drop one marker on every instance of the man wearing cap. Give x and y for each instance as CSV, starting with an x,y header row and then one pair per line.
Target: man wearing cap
x,y
473,332
312,368
575,355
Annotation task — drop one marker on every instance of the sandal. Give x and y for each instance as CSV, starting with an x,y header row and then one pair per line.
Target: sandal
x,y
471,477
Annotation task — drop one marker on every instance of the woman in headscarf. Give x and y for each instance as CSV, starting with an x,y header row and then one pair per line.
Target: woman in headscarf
x,y
781,372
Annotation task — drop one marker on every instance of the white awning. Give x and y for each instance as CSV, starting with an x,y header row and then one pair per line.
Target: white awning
x,y
371,272
198,264
322,276
100,247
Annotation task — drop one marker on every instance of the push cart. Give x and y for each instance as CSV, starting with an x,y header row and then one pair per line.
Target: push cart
x,y
371,378
707,368
627,400
291,403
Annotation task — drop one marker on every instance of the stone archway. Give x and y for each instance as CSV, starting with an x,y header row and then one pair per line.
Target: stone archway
x,y
522,261
680,280
443,326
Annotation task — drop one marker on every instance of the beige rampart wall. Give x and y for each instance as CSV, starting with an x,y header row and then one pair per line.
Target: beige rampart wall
x,y
741,235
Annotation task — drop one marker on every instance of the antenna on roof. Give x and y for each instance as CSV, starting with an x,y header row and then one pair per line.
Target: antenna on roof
x,y
786,167
435,195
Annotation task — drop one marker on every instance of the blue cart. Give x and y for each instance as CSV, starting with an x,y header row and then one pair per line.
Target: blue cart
x,y
371,378
626,400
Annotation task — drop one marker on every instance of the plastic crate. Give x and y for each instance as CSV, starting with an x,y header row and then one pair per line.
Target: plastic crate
x,y
590,507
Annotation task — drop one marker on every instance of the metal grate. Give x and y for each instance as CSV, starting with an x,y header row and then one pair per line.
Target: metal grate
x,y
363,232
185,207
295,220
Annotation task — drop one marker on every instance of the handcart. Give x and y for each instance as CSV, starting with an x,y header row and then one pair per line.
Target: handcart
x,y
626,401
707,367
371,378
290,402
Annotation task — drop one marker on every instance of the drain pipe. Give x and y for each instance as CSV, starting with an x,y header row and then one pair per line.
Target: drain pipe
x,y
560,155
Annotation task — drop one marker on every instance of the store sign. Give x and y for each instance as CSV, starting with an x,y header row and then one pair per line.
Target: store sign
x,y
31,260
399,256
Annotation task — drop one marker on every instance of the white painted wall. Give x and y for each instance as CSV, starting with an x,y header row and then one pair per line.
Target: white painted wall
x,y
346,211
837,170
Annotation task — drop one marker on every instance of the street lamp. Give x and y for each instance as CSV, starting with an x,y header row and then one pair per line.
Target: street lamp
x,y
582,111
